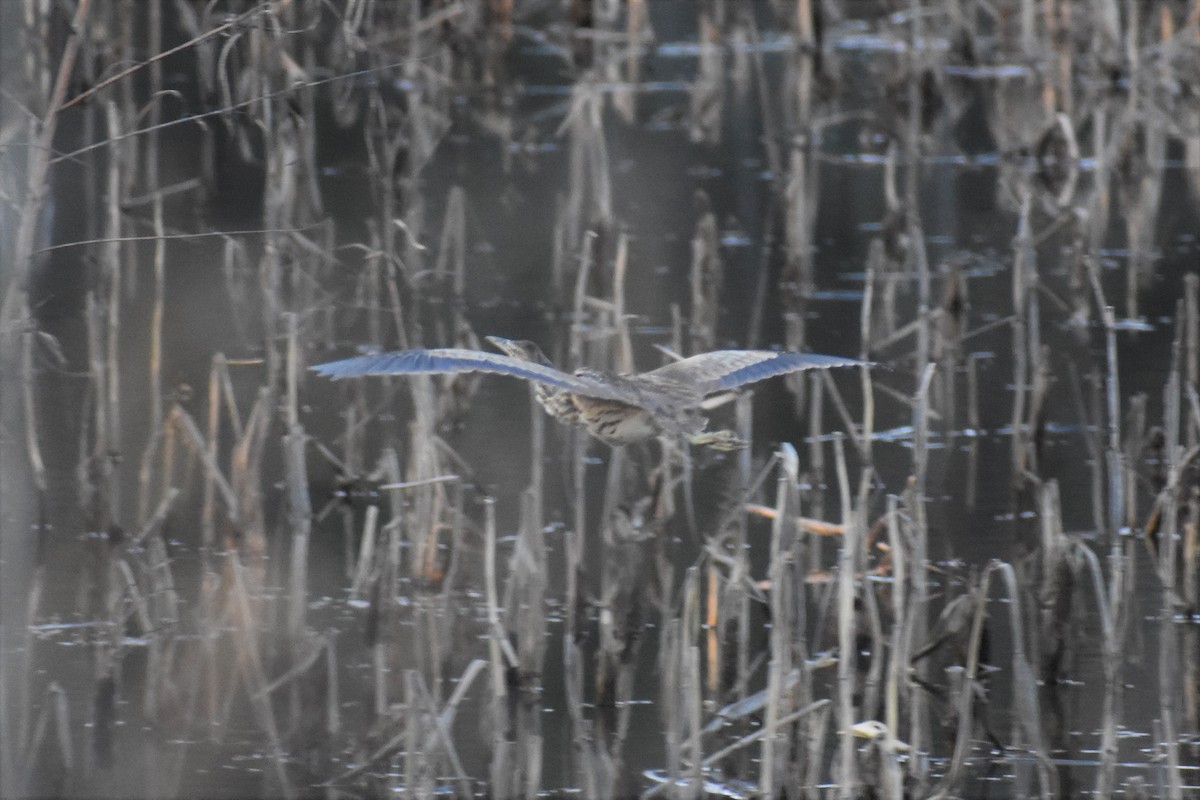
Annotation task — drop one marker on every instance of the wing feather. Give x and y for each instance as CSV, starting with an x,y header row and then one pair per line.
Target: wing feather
x,y
454,360
722,370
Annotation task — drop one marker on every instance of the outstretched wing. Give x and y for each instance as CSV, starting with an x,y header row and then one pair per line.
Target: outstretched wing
x,y
728,369
452,360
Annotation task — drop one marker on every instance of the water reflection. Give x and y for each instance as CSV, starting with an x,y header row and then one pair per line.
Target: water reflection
x,y
972,569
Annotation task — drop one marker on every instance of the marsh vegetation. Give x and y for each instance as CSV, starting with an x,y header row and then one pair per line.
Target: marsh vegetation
x,y
969,571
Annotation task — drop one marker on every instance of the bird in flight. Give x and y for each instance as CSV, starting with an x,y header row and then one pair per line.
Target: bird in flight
x,y
616,408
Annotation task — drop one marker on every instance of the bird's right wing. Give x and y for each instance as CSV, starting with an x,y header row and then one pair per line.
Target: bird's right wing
x,y
728,369
453,360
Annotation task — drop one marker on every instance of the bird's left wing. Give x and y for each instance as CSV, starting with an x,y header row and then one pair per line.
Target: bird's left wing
x,y
452,360
728,369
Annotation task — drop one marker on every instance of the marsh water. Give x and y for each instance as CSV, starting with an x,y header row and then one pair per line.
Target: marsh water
x,y
969,570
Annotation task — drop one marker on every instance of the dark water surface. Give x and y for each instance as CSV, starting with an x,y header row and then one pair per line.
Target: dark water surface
x,y
160,699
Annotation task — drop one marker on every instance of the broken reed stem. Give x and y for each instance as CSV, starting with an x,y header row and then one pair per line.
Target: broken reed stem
x,y
208,505
366,553
624,359
154,376
33,448
200,447
438,736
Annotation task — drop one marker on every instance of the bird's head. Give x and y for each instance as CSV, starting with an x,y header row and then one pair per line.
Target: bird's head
x,y
523,349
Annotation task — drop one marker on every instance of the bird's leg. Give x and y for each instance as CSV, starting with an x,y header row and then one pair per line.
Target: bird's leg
x,y
692,428
723,440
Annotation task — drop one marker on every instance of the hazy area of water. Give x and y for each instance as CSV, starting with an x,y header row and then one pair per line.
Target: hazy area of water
x,y
225,576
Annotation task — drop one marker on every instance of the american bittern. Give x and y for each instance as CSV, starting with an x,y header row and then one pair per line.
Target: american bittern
x,y
616,408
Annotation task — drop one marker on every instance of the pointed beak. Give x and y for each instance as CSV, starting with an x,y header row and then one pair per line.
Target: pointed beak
x,y
498,342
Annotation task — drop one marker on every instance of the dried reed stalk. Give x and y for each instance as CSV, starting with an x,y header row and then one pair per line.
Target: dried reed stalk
x,y
1168,653
501,659
847,773
776,743
707,95
670,657
919,599
298,502
1191,355
1024,322
1112,603
706,277
899,650
37,182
